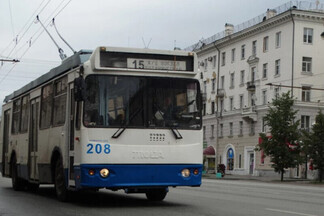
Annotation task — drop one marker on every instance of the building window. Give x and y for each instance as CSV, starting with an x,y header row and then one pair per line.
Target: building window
x,y
254,48
213,107
240,161
264,97
307,65
308,35
265,44
221,128
253,73
231,128
212,130
232,80
221,105
305,122
205,87
233,55
252,130
277,67
205,64
213,85
243,52
278,39
214,61
306,93
230,159
241,128
222,84
204,109
242,77
231,105
241,101
276,92
263,129
223,58
265,71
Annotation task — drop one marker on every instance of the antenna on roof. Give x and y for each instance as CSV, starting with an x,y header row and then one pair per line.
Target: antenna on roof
x,y
60,50
53,23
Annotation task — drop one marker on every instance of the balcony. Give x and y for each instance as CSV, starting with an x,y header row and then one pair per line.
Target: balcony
x,y
250,113
250,86
220,93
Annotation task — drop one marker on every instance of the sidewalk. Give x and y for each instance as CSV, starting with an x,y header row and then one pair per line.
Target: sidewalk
x,y
270,179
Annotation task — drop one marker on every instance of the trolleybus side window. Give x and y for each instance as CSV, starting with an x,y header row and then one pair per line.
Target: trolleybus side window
x,y
60,92
24,114
46,106
16,116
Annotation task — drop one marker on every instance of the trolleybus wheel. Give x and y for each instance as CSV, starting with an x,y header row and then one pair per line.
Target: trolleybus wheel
x,y
59,180
156,194
17,183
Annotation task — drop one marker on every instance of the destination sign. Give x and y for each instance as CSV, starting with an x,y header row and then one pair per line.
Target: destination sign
x,y
156,64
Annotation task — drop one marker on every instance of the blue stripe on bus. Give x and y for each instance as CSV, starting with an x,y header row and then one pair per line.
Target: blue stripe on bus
x,y
125,176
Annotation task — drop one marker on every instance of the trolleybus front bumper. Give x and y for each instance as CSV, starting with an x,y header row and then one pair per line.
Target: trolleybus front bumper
x,y
139,175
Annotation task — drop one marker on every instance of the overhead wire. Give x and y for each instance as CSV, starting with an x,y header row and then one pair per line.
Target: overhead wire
x,y
18,39
49,17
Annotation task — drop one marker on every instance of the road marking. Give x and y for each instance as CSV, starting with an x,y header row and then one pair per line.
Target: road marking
x,y
289,212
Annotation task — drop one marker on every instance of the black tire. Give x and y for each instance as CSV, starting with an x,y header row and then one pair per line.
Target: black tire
x,y
18,184
156,194
59,180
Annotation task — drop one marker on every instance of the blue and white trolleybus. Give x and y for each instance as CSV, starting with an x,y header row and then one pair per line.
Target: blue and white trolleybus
x,y
115,118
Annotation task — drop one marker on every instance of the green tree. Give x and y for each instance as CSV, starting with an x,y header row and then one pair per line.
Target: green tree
x,y
315,144
282,146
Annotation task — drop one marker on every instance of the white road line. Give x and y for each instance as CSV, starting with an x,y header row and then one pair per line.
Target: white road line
x,y
289,212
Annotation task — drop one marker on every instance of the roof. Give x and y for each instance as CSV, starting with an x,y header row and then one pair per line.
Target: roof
x,y
69,63
295,5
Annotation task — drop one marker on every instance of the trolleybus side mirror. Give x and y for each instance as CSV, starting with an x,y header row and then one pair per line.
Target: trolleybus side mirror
x,y
79,89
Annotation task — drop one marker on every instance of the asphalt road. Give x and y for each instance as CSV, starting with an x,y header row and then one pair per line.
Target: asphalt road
x,y
214,197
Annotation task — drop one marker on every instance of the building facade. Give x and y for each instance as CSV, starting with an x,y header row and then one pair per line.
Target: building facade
x,y
244,67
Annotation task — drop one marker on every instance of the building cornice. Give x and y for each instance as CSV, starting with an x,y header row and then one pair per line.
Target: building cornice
x,y
263,26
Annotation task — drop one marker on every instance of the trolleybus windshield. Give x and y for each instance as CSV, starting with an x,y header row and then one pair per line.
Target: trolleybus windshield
x,y
138,102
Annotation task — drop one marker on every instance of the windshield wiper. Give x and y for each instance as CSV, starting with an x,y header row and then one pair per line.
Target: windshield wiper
x,y
176,133
123,127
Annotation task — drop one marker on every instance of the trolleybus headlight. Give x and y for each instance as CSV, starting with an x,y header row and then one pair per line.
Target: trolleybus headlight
x,y
104,173
185,173
91,172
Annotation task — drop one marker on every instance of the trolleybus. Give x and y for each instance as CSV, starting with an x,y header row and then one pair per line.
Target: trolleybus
x,y
114,118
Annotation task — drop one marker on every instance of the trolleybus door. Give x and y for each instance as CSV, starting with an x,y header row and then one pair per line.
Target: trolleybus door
x,y
71,123
33,135
5,159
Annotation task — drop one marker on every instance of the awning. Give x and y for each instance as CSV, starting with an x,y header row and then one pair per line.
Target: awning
x,y
209,150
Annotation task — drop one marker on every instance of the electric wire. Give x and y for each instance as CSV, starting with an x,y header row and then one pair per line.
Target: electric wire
x,y
11,20
30,20
6,75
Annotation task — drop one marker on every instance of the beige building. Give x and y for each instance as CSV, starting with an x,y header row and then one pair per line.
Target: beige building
x,y
283,47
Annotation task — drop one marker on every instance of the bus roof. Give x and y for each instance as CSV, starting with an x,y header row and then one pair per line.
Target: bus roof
x,y
69,63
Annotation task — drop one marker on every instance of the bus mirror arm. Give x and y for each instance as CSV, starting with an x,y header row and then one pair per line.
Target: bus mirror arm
x,y
79,89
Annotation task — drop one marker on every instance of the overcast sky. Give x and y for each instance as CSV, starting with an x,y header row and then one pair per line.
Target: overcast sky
x,y
85,24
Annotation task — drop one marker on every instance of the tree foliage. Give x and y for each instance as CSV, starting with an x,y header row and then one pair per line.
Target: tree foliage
x,y
282,146
315,144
